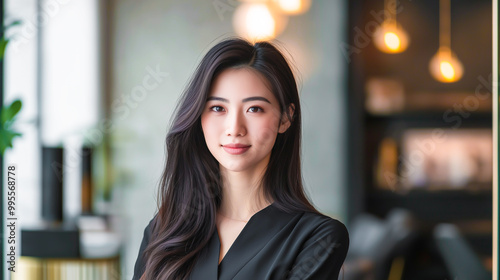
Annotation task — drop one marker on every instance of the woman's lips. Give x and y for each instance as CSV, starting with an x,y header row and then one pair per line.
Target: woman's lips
x,y
235,149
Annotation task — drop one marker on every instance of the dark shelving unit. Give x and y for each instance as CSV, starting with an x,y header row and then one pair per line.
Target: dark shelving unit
x,y
471,41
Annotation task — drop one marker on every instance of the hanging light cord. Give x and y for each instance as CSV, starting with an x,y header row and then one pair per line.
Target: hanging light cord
x,y
444,24
390,8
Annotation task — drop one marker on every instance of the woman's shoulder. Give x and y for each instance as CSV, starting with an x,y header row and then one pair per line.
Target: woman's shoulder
x,y
148,230
309,221
324,242
320,224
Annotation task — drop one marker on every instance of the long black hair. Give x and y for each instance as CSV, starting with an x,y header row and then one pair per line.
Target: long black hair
x,y
190,191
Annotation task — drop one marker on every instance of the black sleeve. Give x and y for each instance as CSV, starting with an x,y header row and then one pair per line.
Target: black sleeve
x,y
141,262
323,253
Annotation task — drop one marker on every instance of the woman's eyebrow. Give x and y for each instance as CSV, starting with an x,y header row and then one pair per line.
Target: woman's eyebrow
x,y
244,100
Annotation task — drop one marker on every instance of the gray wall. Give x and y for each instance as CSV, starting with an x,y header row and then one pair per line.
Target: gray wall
x,y
171,37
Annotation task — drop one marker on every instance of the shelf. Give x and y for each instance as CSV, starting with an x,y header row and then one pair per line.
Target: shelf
x,y
75,269
434,206
433,118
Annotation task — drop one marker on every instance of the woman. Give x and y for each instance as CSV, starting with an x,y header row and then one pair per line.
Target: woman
x,y
231,194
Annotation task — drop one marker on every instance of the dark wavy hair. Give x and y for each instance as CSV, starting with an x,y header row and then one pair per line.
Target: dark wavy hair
x,y
190,189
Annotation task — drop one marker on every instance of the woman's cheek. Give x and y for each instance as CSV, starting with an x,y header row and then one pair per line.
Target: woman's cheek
x,y
268,133
208,129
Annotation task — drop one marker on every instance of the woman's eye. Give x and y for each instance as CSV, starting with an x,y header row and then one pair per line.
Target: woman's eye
x,y
216,109
255,109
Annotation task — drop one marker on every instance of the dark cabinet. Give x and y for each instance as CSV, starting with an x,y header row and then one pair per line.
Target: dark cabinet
x,y
414,142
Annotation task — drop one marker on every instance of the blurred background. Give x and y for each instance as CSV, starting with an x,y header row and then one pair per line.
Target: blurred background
x,y
397,125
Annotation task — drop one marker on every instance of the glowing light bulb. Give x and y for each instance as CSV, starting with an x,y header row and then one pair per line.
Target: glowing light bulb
x,y
390,37
392,41
293,7
447,70
445,66
256,21
260,22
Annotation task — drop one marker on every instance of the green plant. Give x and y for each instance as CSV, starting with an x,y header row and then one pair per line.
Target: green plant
x,y
7,118
8,113
4,40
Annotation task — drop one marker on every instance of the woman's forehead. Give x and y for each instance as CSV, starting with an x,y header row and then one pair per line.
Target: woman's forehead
x,y
241,83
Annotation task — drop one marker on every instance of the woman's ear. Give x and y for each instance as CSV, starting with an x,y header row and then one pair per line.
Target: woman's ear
x,y
285,121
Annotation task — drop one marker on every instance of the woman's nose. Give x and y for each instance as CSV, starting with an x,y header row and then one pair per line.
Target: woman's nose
x,y
235,125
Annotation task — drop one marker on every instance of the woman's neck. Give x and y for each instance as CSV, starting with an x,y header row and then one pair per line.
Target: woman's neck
x,y
242,195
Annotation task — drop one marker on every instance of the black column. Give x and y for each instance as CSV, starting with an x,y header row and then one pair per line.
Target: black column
x,y
52,184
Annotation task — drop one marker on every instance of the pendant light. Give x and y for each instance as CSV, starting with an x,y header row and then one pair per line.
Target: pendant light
x,y
390,37
444,65
293,7
258,21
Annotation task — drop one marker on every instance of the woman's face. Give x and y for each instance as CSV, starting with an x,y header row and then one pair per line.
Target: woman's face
x,y
241,120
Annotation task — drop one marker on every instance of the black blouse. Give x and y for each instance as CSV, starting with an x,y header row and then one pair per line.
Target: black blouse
x,y
272,245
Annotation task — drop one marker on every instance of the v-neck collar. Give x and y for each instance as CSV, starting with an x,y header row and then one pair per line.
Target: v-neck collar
x,y
259,230
217,236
